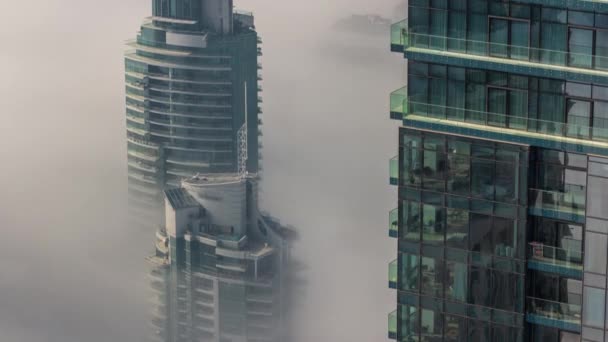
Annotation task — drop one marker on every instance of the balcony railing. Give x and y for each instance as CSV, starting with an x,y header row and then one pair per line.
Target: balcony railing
x,y
392,274
392,325
403,106
569,203
399,103
402,38
394,171
399,36
565,261
554,314
393,223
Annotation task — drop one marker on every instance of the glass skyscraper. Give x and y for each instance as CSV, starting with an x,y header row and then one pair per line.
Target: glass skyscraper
x,y
502,172
221,268
191,85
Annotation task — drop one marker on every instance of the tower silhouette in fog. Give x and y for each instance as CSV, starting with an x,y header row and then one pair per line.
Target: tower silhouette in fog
x,y
191,84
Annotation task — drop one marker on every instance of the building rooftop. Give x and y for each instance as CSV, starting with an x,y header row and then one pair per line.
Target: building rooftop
x,y
218,178
180,199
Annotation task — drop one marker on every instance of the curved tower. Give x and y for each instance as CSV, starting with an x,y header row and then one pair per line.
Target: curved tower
x,y
191,85
220,272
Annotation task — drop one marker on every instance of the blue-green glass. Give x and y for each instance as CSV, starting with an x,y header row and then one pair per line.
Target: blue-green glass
x,y
499,37
520,40
433,224
411,229
409,322
456,281
579,118
431,325
580,47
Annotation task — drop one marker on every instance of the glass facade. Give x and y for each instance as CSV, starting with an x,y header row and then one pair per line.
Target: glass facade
x,y
510,30
188,87
500,99
502,181
462,237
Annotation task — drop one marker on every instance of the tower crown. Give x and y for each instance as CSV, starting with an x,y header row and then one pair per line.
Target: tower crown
x,y
212,15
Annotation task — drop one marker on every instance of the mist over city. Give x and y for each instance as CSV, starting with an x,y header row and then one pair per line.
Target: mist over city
x,y
72,268
297,171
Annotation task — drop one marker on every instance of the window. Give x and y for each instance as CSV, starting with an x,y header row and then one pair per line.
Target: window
x,y
456,281
459,174
597,197
594,307
411,221
507,108
481,233
578,118
431,327
433,170
433,224
580,47
409,272
479,331
479,286
596,247
509,38
409,322
482,178
457,234
432,277
455,329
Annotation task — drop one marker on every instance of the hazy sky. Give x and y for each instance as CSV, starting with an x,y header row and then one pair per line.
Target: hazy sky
x,y
71,270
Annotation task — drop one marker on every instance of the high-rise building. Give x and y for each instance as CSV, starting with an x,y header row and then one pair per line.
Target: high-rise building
x,y
502,172
219,273
191,86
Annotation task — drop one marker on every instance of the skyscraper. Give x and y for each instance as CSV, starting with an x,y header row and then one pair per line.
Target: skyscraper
x,y
220,269
191,86
502,172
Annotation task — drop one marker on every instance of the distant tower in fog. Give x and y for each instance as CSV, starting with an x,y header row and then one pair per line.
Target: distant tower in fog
x,y
220,269
191,77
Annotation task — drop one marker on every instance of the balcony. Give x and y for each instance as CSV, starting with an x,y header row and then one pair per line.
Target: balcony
x,y
558,205
431,114
586,5
393,223
398,36
392,274
566,262
554,314
392,325
399,103
394,171
576,66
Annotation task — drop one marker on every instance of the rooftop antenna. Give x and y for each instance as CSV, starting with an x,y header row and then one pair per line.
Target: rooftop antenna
x,y
243,150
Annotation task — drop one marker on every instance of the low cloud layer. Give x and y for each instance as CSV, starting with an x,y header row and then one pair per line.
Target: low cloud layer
x,y
71,269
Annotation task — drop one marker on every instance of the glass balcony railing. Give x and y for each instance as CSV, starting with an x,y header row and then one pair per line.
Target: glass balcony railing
x,y
554,314
569,203
398,35
579,56
392,274
394,170
392,325
565,261
431,108
399,103
393,223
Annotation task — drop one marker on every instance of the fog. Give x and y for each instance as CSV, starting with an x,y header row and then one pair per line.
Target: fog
x,y
71,269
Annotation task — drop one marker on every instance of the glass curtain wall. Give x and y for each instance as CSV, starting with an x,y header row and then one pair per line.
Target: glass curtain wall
x,y
550,106
462,236
510,30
